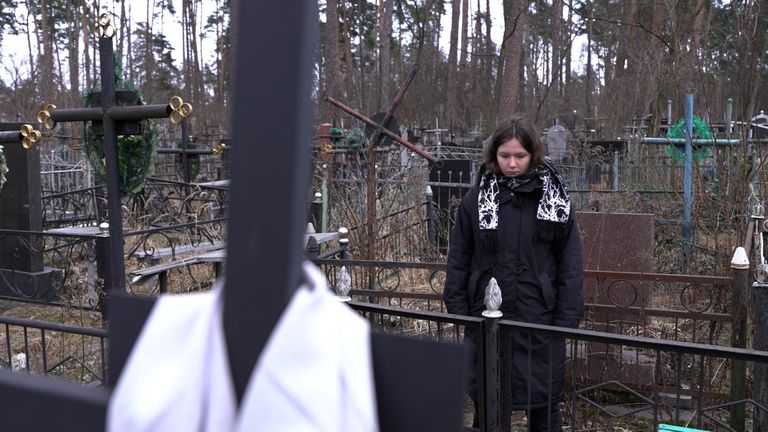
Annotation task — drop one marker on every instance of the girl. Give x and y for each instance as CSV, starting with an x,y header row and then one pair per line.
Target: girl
x,y
516,225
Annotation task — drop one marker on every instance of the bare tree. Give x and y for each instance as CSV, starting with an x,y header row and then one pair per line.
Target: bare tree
x,y
73,33
511,55
385,35
568,37
464,42
589,79
86,32
45,52
452,84
191,59
557,37
331,45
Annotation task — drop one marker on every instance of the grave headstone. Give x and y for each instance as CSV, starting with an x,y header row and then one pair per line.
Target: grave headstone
x,y
21,261
556,137
759,126
616,242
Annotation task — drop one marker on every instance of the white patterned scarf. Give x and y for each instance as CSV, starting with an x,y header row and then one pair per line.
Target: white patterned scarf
x,y
554,204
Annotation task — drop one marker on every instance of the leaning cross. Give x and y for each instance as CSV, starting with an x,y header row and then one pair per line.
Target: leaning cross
x,y
115,120
418,383
380,131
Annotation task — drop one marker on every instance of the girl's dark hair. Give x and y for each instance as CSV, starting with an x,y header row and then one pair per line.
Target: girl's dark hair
x,y
517,126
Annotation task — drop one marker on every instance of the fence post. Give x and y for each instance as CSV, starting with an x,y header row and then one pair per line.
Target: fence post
x,y
430,216
344,242
312,249
760,323
488,383
103,265
316,211
324,212
740,268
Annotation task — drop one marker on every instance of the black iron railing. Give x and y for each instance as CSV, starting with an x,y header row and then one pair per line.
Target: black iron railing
x,y
49,348
682,383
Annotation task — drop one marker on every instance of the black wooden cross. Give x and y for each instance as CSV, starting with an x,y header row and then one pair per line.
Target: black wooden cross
x,y
418,384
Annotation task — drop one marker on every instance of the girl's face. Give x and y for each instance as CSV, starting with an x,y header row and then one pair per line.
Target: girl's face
x,y
513,159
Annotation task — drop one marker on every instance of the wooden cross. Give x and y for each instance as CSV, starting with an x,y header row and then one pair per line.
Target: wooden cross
x,y
270,177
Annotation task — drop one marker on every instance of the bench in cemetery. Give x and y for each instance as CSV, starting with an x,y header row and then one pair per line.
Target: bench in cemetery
x,y
216,254
142,276
175,251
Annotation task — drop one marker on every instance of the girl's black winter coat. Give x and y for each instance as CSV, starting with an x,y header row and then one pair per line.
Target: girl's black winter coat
x,y
538,267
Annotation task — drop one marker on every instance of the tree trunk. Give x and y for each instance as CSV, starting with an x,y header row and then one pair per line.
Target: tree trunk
x,y
588,83
149,56
331,45
195,73
490,52
186,57
31,57
46,53
385,36
464,31
656,96
452,84
361,55
476,37
531,86
87,31
129,55
95,46
73,33
349,68
557,37
511,53
698,25
568,45
124,30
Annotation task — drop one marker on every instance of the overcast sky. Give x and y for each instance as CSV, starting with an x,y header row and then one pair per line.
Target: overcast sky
x,y
13,51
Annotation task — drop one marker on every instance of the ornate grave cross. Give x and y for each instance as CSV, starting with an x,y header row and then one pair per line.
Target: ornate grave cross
x,y
114,120
418,383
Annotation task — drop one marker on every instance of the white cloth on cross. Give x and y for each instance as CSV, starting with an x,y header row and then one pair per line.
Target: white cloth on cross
x,y
314,374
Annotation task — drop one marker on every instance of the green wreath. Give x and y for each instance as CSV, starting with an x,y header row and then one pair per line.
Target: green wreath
x,y
135,153
700,131
3,168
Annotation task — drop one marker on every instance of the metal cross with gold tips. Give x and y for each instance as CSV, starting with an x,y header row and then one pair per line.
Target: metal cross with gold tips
x,y
104,28
115,120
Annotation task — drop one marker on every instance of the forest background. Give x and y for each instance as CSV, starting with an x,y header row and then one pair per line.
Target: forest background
x,y
598,67
633,56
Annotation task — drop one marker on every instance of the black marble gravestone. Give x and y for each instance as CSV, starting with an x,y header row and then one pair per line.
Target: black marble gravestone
x,y
22,273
